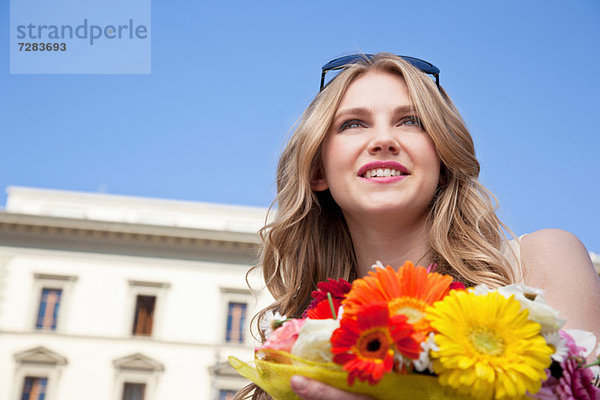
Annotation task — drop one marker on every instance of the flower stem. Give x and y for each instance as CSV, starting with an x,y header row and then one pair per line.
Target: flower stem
x,y
597,362
276,323
331,305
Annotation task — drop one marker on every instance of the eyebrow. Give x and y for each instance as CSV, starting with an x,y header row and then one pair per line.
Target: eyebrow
x,y
366,111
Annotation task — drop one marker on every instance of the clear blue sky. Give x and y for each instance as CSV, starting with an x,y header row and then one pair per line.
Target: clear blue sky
x,y
229,78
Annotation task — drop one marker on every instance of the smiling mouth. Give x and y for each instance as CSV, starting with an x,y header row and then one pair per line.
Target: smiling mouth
x,y
382,173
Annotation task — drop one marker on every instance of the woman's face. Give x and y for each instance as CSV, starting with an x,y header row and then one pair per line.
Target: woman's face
x,y
376,158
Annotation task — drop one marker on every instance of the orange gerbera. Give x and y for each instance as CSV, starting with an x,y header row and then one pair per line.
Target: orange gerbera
x,y
408,291
366,346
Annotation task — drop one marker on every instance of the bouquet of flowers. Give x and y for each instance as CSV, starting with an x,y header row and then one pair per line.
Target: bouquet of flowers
x,y
413,333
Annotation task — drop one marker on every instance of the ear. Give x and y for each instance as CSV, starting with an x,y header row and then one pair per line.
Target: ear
x,y
318,182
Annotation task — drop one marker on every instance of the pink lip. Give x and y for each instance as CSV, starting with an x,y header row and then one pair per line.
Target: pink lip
x,y
383,164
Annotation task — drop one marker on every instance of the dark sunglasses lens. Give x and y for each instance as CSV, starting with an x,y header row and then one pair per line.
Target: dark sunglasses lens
x,y
422,65
351,59
343,61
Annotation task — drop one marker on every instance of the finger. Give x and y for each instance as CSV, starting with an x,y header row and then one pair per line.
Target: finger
x,y
309,389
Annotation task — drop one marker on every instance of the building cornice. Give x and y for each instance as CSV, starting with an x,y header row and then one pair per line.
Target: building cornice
x,y
88,227
42,231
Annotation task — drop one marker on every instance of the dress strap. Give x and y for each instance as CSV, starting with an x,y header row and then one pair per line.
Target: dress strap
x,y
511,249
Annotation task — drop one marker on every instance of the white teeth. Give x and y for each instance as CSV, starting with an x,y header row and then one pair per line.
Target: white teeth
x,y
381,172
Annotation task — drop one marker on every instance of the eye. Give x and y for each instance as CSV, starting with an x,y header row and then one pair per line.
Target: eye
x,y
411,120
351,123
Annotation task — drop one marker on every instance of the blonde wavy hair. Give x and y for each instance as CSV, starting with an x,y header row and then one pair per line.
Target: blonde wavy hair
x,y
308,240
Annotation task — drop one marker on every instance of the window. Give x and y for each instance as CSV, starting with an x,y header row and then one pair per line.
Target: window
x,y
235,310
236,322
136,377
34,388
133,391
225,381
144,315
146,302
48,309
226,394
38,372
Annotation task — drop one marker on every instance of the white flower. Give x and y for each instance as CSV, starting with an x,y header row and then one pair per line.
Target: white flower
x,y
531,293
313,340
400,360
378,264
266,323
424,361
340,313
480,290
560,346
533,300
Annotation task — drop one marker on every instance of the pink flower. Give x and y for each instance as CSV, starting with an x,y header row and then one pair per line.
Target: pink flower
x,y
548,390
282,339
571,345
576,383
431,268
457,286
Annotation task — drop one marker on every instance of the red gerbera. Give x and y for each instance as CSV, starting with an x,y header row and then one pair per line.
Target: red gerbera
x,y
365,346
337,289
323,309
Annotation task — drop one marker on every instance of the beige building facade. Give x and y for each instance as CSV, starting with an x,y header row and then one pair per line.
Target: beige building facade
x,y
108,297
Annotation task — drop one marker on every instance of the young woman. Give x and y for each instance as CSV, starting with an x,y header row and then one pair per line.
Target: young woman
x,y
382,167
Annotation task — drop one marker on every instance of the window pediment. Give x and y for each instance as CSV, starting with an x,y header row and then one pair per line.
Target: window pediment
x,y
40,355
138,362
223,368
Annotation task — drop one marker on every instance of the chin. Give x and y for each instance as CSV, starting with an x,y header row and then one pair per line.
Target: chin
x,y
381,209
393,209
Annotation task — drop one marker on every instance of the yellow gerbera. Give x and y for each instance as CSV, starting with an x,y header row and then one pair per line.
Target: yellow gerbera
x,y
488,348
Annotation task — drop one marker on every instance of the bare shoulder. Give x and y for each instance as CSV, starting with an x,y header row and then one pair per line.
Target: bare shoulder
x,y
554,246
557,262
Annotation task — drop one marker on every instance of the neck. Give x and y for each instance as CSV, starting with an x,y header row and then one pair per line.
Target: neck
x,y
391,243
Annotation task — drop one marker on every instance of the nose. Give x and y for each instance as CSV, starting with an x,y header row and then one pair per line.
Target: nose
x,y
384,143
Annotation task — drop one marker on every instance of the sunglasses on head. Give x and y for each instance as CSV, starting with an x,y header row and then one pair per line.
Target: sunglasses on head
x,y
344,61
